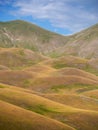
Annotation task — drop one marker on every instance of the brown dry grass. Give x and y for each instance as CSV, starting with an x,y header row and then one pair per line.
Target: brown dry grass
x,y
41,70
73,61
45,78
77,72
18,58
17,78
87,120
42,78
43,84
64,91
16,118
66,61
2,67
92,93
77,101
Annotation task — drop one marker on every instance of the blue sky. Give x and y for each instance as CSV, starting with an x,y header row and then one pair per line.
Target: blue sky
x,y
61,16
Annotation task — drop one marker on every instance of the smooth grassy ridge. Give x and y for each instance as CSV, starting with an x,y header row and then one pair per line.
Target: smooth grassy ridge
x,y
70,61
16,118
73,62
43,81
41,77
19,58
46,84
16,77
74,100
41,70
45,75
76,88
87,120
92,93
77,72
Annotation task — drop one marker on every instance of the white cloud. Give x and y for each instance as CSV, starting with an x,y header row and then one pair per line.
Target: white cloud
x,y
73,15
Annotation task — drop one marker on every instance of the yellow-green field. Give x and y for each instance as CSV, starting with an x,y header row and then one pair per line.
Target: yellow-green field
x,y
46,93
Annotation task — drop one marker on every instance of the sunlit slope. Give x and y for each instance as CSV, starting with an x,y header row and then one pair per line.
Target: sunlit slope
x,y
63,113
18,58
50,81
44,83
92,93
75,62
74,100
43,77
82,44
16,118
23,34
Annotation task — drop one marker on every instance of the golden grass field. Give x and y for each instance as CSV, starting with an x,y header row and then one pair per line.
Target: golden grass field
x,y
46,94
16,118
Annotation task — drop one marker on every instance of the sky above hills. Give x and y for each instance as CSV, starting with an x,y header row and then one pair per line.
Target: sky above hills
x,y
64,16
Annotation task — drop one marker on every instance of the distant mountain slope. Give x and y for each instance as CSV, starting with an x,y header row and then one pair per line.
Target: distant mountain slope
x,y
23,34
83,44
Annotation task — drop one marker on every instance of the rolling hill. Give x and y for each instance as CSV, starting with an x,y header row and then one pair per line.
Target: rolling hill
x,y
63,113
26,35
47,81
23,34
83,44
16,118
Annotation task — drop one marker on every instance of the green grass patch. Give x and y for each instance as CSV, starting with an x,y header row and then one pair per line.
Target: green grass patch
x,y
54,54
59,65
27,83
1,86
93,96
58,87
21,52
86,67
80,87
42,109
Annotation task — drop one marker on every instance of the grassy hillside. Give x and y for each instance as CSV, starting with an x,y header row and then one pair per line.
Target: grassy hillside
x,y
17,58
83,44
24,68
75,62
63,113
92,93
48,81
16,118
74,100
20,33
55,83
26,35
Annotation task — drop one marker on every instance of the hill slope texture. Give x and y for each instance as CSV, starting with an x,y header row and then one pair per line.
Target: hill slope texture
x,y
47,81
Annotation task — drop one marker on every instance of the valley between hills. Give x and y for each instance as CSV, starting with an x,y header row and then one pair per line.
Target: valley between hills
x,y
48,81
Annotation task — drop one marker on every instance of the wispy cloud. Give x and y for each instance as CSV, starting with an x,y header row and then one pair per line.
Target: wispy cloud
x,y
72,15
6,2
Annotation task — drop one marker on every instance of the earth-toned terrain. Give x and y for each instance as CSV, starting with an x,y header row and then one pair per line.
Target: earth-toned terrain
x,y
48,81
